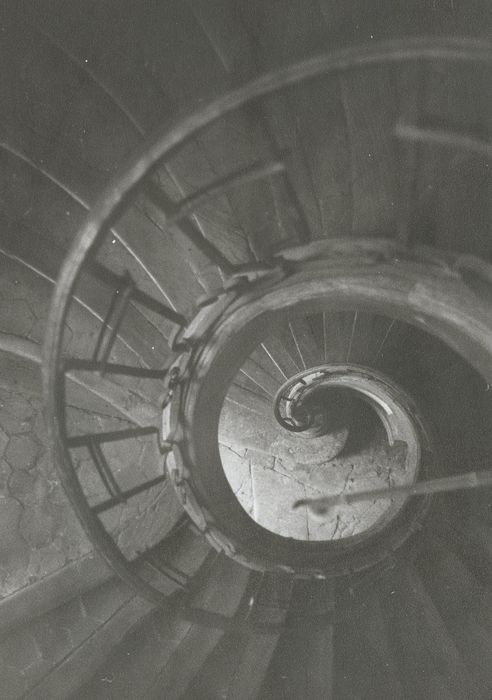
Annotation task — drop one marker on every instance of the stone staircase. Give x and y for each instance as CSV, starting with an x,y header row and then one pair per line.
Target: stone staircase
x,y
82,86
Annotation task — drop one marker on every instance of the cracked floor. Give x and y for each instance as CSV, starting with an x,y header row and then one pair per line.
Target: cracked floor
x,y
269,468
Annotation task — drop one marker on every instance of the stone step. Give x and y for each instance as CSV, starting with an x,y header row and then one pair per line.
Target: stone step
x,y
164,653
426,654
302,665
49,644
52,591
236,668
464,604
51,654
222,592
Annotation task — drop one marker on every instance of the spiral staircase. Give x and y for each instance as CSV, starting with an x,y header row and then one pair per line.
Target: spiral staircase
x,y
245,285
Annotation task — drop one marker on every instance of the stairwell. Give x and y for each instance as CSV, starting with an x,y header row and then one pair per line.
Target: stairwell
x,y
83,86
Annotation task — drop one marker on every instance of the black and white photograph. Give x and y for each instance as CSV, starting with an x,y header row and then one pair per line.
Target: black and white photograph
x,y
245,350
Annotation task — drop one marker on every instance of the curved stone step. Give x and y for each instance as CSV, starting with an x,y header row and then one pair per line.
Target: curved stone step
x,y
302,667
52,591
222,592
426,654
375,635
54,653
237,668
362,671
464,604
165,652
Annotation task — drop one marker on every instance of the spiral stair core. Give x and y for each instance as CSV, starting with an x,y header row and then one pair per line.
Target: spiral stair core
x,y
246,350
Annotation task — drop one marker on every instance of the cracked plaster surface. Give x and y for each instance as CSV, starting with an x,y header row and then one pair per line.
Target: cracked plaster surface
x,y
40,532
269,469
